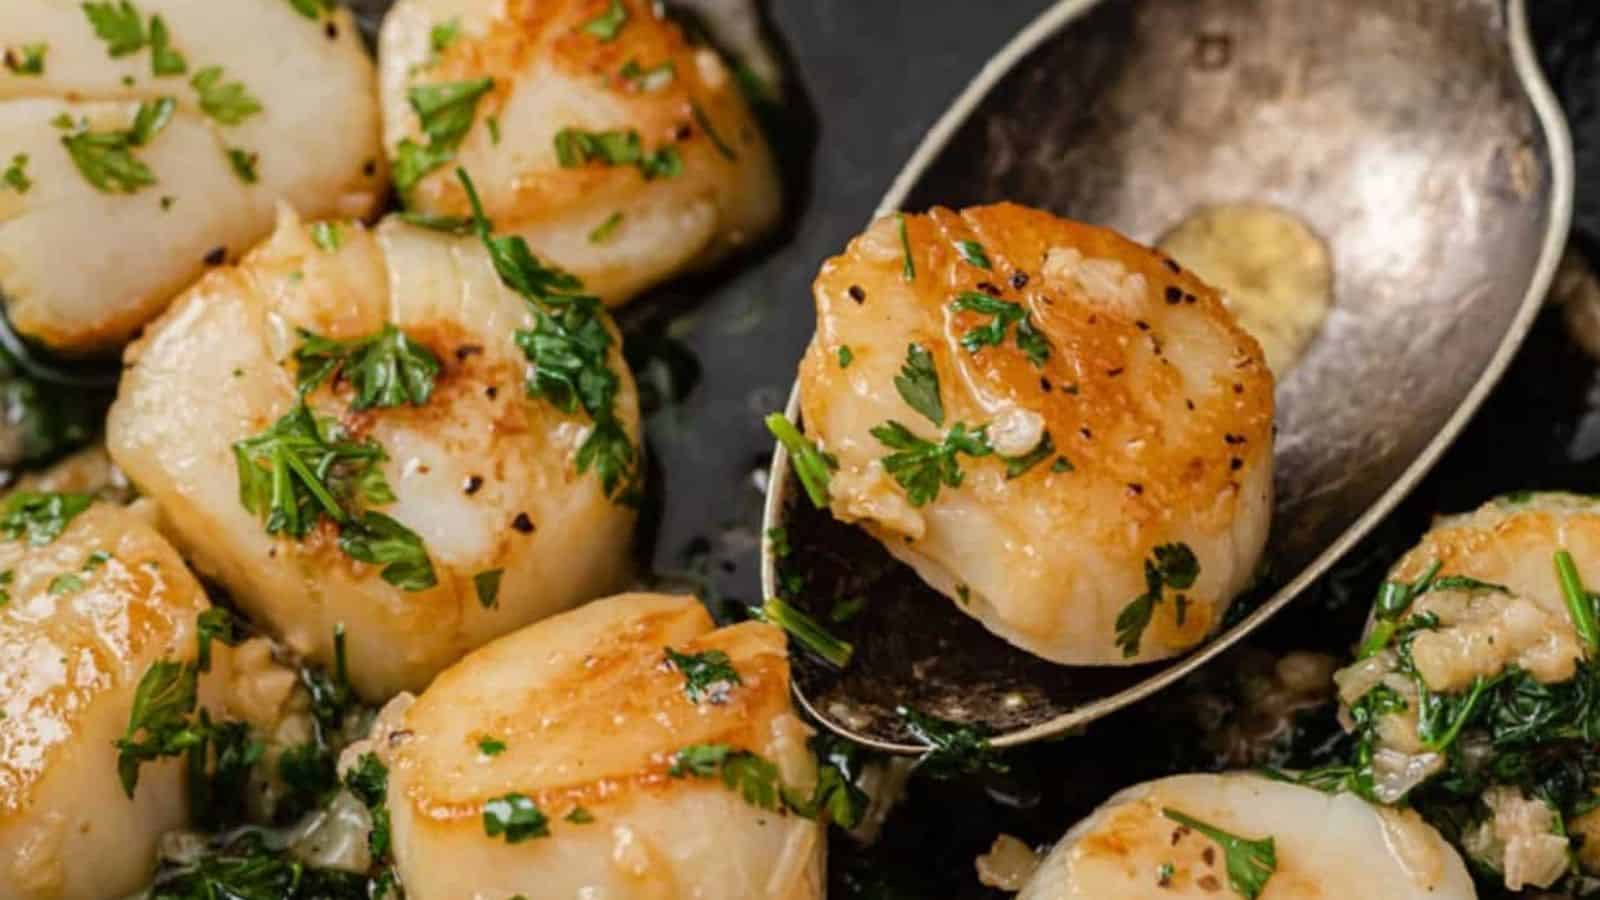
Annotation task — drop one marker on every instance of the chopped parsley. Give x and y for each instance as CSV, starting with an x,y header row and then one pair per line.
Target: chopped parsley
x,y
812,466
1396,597
313,9
973,253
575,147
243,163
606,26
1171,566
606,229
918,384
1003,315
953,749
65,583
708,675
40,517
447,224
327,235
487,586
569,348
27,59
164,60
446,112
909,267
921,466
368,780
1017,466
386,369
754,777
1250,863
229,102
118,24
380,540
491,746
105,158
1580,603
443,34
516,817
846,357
580,816
648,80
806,630
16,175
301,468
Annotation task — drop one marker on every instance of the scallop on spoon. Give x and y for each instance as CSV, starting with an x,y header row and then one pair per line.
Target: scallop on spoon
x,y
1418,143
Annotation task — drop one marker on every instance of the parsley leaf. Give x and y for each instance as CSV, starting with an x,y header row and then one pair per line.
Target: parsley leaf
x,y
918,384
954,750
1250,863
65,583
243,163
118,24
300,469
973,253
709,675
215,624
16,175
161,706
606,229
648,80
575,147
327,235
806,630
443,34
580,816
1004,314
491,746
1169,566
516,817
909,267
368,780
569,348
27,59
164,60
386,369
846,357
313,9
608,24
754,777
920,466
38,516
228,102
445,111
378,539
812,466
487,586
704,121
106,158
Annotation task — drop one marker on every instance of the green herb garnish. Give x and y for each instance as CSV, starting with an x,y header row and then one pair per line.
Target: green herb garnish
x,y
606,229
804,629
708,675
446,113
1170,566
648,80
118,24
918,384
229,102
1580,603
386,369
491,746
243,163
606,26
908,269
972,252
27,59
575,147
16,175
487,586
921,466
105,158
954,750
40,517
1004,314
380,540
813,467
164,60
846,357
1250,863
516,817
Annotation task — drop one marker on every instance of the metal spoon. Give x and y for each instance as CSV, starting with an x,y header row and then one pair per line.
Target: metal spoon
x,y
1418,138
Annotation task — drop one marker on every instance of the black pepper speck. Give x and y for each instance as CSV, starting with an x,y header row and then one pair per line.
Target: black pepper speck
x,y
857,294
217,256
474,482
522,523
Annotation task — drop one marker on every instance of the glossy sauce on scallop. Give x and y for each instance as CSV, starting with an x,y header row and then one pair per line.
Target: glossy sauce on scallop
x,y
618,149
1127,418
83,616
265,105
589,717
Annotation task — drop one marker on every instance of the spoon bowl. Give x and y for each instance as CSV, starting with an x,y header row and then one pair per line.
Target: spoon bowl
x,y
1417,138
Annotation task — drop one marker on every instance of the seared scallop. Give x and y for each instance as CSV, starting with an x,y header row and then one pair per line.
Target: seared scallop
x,y
368,429
622,750
145,142
1059,429
1473,688
90,598
1208,836
595,130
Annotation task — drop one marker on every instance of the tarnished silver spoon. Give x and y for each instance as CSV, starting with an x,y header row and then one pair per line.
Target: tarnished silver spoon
x,y
1417,138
